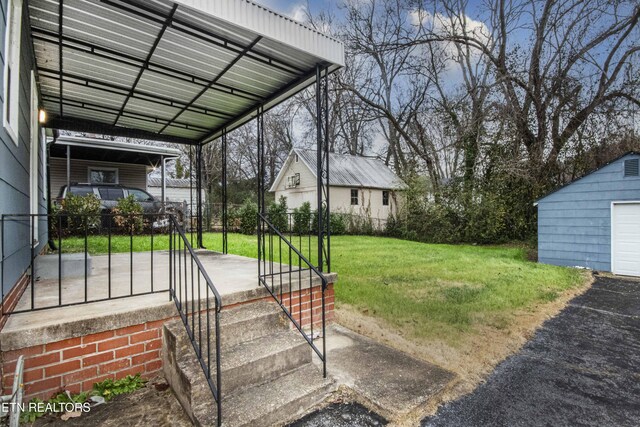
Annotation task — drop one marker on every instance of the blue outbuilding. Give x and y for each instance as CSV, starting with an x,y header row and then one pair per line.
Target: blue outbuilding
x,y
594,221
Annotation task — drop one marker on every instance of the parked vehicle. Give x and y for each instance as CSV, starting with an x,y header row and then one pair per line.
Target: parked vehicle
x,y
110,194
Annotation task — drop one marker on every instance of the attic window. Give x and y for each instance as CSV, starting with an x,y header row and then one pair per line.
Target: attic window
x,y
293,181
297,158
632,167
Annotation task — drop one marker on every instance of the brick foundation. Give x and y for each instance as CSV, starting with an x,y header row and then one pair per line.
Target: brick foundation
x,y
76,363
301,305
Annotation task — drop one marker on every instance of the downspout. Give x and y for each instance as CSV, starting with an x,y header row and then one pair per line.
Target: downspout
x,y
68,168
164,178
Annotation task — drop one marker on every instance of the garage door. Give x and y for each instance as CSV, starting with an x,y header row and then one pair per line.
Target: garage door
x,y
625,245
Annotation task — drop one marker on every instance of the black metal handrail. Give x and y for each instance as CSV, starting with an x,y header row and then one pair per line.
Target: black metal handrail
x,y
53,229
276,273
186,275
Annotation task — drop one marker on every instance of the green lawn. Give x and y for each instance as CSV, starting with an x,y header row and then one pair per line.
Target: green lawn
x,y
427,290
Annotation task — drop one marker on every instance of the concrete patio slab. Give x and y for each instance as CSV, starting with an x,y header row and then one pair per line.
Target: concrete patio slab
x,y
235,277
390,382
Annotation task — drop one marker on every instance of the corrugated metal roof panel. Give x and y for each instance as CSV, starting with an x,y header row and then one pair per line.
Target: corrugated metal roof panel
x,y
164,60
171,182
83,64
272,25
346,170
222,101
167,86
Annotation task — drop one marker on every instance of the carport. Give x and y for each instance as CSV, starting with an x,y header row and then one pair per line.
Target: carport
x,y
184,71
190,72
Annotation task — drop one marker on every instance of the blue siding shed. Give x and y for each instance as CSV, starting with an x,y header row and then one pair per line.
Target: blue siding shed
x,y
574,222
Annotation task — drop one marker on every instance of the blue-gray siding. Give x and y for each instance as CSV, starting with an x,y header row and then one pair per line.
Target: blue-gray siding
x,y
574,223
15,167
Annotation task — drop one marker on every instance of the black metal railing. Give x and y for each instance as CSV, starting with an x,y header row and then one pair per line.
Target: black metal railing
x,y
199,305
290,277
58,279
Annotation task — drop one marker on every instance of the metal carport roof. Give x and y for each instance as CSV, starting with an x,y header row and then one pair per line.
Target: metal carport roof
x,y
111,151
180,71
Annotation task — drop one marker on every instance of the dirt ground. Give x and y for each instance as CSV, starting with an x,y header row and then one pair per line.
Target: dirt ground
x,y
153,405
473,359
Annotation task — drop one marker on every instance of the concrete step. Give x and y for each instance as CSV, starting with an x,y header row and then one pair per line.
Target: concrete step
x,y
263,359
250,321
241,323
277,402
258,350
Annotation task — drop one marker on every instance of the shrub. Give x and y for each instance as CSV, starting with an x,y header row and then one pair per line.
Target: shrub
x,y
337,224
359,224
393,227
248,214
233,219
302,218
82,212
278,216
128,214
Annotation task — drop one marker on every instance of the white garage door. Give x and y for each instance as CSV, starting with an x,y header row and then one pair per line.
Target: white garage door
x,y
625,245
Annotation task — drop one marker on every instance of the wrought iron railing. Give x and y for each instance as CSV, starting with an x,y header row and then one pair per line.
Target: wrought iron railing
x,y
58,235
199,305
290,277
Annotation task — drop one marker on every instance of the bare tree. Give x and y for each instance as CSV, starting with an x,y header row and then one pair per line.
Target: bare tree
x,y
578,58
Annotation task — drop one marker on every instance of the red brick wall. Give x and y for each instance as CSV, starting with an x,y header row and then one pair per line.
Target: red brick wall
x,y
75,364
301,303
12,298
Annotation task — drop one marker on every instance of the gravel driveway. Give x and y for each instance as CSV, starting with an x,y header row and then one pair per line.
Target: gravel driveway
x,y
581,368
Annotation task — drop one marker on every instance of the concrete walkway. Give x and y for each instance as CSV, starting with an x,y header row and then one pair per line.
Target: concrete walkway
x,y
581,368
386,380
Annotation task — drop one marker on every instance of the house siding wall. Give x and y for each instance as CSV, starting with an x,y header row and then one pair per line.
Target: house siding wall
x,y
130,175
574,223
176,194
15,167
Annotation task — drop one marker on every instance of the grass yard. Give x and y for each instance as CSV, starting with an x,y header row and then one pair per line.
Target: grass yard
x,y
424,290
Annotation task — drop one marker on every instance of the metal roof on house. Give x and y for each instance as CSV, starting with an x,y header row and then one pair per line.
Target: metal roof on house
x,y
180,71
346,170
171,182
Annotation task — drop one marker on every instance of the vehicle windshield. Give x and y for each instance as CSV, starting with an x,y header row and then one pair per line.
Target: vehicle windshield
x,y
111,193
80,190
140,195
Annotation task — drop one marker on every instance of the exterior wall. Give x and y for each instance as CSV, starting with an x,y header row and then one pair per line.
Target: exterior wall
x,y
574,223
176,194
15,167
301,305
369,201
130,175
307,179
75,364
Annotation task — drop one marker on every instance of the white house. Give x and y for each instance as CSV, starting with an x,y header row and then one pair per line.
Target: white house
x,y
358,185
